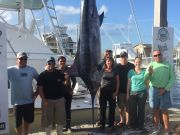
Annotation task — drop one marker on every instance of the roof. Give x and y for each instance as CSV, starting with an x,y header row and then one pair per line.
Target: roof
x,y
144,45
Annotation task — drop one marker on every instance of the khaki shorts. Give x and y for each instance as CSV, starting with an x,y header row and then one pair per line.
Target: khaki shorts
x,y
54,113
121,100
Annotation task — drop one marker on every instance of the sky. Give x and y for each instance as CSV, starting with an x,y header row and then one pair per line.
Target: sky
x,y
118,25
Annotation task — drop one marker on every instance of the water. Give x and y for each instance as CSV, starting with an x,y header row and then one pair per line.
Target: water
x,y
176,89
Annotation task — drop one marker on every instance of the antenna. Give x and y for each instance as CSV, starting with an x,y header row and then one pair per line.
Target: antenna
x,y
126,37
137,27
107,34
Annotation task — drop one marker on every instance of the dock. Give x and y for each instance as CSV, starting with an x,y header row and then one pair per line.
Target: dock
x,y
82,124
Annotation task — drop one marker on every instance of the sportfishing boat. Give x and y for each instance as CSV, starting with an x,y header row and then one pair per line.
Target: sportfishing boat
x,y
22,38
123,47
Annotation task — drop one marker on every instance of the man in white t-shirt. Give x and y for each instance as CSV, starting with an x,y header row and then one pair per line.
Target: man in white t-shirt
x,y
21,78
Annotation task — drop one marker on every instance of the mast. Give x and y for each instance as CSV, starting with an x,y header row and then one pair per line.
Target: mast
x,y
22,21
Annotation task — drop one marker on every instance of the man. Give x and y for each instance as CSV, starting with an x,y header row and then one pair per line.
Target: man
x,y
22,96
51,89
123,68
161,77
71,82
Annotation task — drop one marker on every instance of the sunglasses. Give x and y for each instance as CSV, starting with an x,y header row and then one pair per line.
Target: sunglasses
x,y
23,59
157,55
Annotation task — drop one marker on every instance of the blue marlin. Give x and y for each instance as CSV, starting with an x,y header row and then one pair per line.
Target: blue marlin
x,y
88,54
89,45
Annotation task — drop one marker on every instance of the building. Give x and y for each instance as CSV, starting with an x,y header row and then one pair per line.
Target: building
x,y
143,50
67,43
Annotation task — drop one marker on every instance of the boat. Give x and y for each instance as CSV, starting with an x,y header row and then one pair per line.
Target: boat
x,y
132,53
21,38
123,47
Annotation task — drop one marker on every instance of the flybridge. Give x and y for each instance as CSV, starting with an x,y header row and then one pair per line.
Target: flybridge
x,y
15,4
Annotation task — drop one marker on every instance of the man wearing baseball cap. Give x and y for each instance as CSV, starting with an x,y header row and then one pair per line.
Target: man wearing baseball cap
x,y
51,89
20,77
123,68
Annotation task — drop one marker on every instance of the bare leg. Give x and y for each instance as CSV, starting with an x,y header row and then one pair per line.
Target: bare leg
x,y
18,130
26,127
156,117
161,118
165,116
127,117
121,113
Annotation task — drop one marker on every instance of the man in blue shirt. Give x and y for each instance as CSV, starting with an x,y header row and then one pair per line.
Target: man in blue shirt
x,y
22,96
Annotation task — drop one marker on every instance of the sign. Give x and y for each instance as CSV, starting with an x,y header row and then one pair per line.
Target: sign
x,y
4,122
163,40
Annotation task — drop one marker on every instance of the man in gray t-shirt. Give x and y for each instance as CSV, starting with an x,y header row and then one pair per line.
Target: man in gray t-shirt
x,y
20,77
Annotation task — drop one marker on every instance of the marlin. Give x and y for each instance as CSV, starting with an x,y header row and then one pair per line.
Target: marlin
x,y
88,53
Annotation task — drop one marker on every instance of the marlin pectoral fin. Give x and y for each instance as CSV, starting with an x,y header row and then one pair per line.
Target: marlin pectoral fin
x,y
101,17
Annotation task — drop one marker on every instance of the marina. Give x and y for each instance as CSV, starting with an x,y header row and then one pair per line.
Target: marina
x,y
56,42
82,116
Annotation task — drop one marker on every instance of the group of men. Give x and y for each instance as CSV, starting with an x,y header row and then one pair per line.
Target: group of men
x,y
55,87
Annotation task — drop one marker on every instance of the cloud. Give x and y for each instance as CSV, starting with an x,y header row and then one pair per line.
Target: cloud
x,y
68,10
103,8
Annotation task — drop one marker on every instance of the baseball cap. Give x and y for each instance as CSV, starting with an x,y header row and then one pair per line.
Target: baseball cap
x,y
50,59
123,54
21,54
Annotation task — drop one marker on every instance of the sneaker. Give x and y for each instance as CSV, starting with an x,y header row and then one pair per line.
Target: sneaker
x,y
69,130
156,131
120,124
98,123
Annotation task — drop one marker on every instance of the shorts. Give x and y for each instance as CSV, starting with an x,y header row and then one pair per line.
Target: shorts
x,y
121,100
162,102
24,112
54,113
